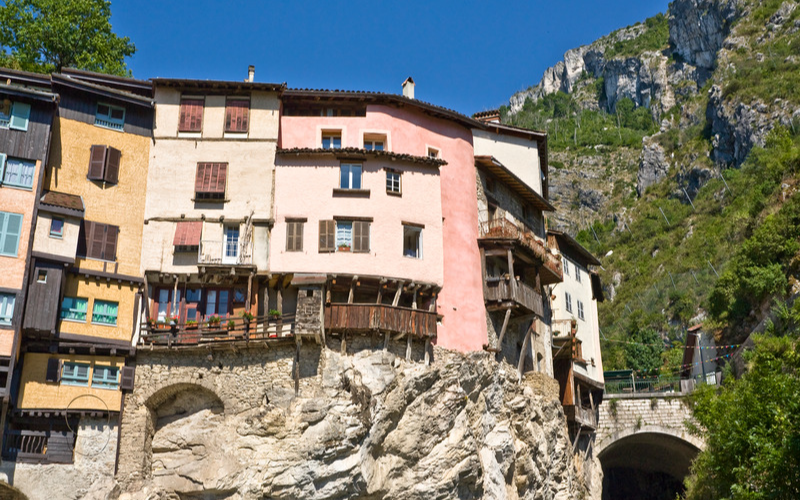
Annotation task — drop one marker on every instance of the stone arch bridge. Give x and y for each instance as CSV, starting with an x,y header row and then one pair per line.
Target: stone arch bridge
x,y
644,445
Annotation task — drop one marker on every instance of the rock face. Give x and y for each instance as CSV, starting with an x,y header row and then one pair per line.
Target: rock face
x,y
368,425
697,28
653,166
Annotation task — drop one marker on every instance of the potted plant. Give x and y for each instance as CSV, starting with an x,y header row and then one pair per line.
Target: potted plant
x,y
276,315
191,324
344,247
231,324
247,316
214,321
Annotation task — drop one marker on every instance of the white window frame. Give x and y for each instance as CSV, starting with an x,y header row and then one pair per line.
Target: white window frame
x,y
344,235
59,234
581,315
565,265
418,251
394,182
432,152
568,299
7,301
350,177
331,136
23,165
106,120
577,273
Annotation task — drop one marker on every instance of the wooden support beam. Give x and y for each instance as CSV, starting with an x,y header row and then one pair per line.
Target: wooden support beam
x,y
397,294
380,293
343,349
414,300
483,269
173,303
146,295
408,348
511,275
352,290
523,352
428,348
386,341
503,330
249,291
495,253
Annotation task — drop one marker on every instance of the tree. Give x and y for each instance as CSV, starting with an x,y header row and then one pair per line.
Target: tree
x,y
47,35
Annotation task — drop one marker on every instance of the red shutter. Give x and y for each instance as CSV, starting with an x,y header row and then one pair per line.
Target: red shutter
x,y
236,115
203,176
187,234
110,243
112,165
97,162
191,115
218,178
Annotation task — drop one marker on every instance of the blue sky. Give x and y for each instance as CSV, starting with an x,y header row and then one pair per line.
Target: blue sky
x,y
467,55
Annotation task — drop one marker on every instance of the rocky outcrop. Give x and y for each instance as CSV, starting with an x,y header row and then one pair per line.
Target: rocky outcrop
x,y
368,425
642,79
697,28
653,166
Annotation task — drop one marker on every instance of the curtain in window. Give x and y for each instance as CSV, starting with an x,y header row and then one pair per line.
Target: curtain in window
x,y
344,234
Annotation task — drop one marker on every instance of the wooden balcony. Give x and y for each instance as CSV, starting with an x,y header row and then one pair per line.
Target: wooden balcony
x,y
379,318
504,229
208,333
503,290
582,416
39,446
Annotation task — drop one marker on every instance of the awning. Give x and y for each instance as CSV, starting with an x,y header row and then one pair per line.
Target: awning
x,y
187,234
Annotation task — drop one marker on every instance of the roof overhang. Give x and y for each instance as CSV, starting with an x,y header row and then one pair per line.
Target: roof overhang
x,y
29,93
140,87
577,249
217,85
119,95
361,154
493,166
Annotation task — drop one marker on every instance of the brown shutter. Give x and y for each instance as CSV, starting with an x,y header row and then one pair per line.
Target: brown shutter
x,y
97,162
97,240
112,165
203,177
290,236
53,370
191,115
360,236
327,236
128,378
110,243
221,171
236,115
83,238
298,236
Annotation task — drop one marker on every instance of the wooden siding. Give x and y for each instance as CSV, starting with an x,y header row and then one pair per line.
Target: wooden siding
x,y
502,290
39,446
33,143
379,317
82,107
44,299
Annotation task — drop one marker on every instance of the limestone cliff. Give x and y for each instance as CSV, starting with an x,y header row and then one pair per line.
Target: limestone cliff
x,y
365,425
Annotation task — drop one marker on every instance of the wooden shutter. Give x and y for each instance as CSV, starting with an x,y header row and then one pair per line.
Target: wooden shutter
x,y
110,242
203,177
83,237
360,236
97,162
290,236
327,236
219,176
298,236
20,114
236,115
211,178
97,240
53,370
191,115
2,166
112,165
128,378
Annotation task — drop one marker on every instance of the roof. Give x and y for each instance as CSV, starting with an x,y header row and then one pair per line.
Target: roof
x,y
217,84
102,90
362,154
140,87
695,327
25,77
491,164
569,242
62,200
30,93
486,114
364,96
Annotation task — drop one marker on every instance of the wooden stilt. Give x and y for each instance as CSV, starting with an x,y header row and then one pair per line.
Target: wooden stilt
x,y
503,330
408,347
428,348
397,294
249,291
174,301
386,341
523,352
146,296
344,343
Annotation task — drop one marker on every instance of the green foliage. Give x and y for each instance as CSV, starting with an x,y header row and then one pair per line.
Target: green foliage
x,y
654,37
47,35
752,428
644,356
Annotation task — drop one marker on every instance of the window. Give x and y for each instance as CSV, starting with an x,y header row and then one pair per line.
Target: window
x,y
565,265
7,308
41,276
105,312
104,164
191,119
56,227
344,236
218,302
433,153
374,142
106,377
393,182
74,309
10,229
412,241
17,172
568,298
331,139
230,253
75,373
15,115
327,236
294,236
350,176
237,115
109,116
577,273
98,241
210,181
580,311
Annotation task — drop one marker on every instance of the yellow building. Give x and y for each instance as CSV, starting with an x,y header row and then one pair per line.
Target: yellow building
x,y
84,296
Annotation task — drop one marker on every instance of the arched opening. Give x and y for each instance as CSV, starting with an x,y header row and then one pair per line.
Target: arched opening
x,y
646,466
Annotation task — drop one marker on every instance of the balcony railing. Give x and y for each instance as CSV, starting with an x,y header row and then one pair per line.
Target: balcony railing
x,y
583,416
502,290
379,317
38,446
213,252
505,229
225,330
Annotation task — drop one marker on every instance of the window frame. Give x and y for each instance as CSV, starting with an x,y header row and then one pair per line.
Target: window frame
x,y
371,140
7,300
106,303
294,235
331,135
87,240
187,126
390,182
245,118
577,273
214,174
565,265
73,377
568,300
17,112
60,233
77,300
418,251
104,164
5,218
23,163
104,382
109,122
433,152
581,314
350,176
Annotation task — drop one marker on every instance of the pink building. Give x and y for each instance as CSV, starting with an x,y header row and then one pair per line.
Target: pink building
x,y
375,208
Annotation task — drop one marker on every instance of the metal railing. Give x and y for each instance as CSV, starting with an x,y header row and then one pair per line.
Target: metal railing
x,y
644,385
213,252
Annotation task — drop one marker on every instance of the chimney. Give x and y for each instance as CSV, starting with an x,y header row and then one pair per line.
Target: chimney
x,y
251,73
408,88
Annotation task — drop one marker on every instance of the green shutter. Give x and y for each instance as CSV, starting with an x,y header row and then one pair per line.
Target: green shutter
x,y
10,229
2,167
20,114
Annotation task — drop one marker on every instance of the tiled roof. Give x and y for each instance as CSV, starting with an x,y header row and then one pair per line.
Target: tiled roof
x,y
484,114
217,84
569,241
426,160
63,200
113,93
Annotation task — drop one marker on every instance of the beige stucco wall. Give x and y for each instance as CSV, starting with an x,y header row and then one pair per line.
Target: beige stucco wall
x,y
111,290
36,392
18,201
66,245
121,204
519,155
